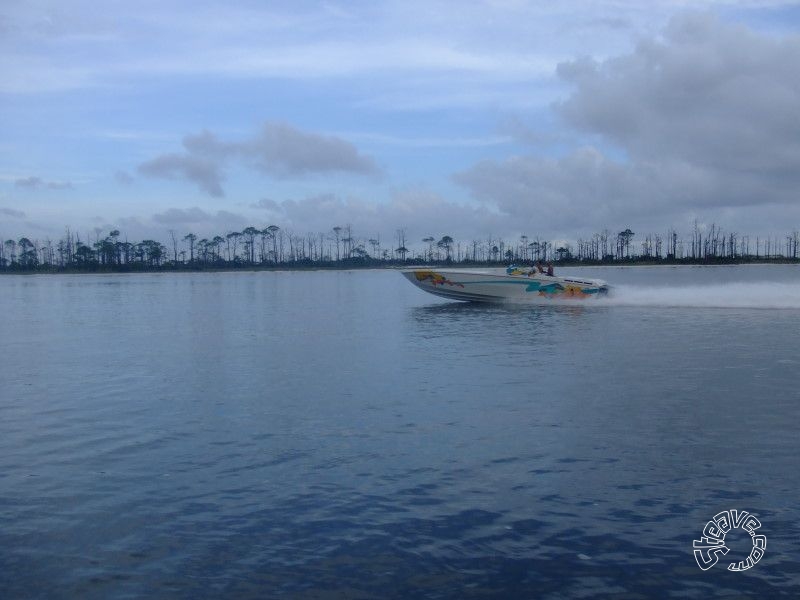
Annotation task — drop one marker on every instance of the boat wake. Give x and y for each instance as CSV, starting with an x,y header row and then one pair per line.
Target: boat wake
x,y
765,295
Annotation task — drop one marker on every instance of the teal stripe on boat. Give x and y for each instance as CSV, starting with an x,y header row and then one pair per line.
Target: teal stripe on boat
x,y
532,285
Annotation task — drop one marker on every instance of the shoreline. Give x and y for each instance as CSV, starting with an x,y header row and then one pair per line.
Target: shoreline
x,y
351,266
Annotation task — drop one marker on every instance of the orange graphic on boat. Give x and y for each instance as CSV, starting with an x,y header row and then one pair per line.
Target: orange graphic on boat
x,y
575,292
569,291
435,278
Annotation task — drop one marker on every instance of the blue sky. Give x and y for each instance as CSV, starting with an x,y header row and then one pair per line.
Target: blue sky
x,y
493,118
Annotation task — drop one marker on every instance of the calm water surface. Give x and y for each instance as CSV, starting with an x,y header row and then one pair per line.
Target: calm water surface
x,y
344,435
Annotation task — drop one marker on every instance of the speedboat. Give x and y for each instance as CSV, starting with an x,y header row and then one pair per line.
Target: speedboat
x,y
515,285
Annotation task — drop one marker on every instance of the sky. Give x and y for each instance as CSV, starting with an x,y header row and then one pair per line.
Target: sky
x,y
477,120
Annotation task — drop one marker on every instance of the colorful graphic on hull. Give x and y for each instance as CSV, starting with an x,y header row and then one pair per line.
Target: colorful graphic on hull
x,y
545,290
435,278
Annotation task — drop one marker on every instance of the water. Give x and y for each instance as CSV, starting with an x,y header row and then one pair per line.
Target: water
x,y
344,435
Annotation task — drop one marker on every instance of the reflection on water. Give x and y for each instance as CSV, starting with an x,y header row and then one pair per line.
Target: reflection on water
x,y
510,310
518,325
343,435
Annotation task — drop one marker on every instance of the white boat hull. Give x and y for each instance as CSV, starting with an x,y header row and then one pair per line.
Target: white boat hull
x,y
484,287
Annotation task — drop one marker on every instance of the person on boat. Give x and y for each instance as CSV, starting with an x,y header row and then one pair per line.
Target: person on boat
x,y
550,269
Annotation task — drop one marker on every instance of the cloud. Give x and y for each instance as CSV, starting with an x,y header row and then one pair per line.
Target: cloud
x,y
396,53
419,211
199,221
715,95
298,42
59,185
123,178
201,171
33,183
266,204
10,212
29,182
282,150
278,149
185,216
703,119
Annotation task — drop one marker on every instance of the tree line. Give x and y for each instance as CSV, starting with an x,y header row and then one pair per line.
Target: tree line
x,y
273,246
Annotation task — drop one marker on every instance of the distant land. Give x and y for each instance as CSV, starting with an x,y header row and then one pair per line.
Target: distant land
x,y
274,248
